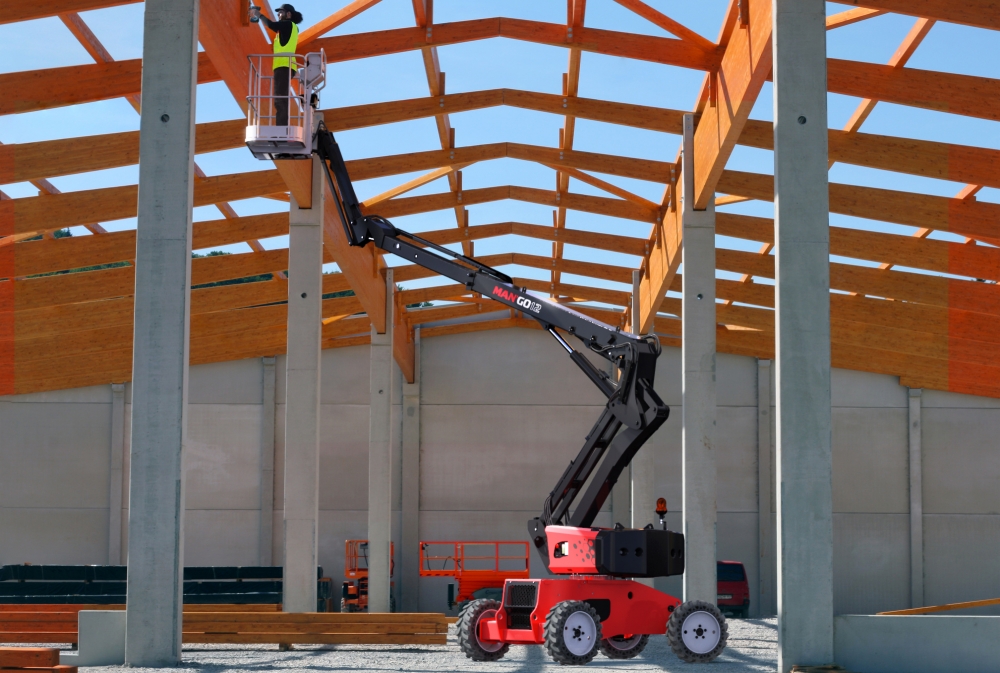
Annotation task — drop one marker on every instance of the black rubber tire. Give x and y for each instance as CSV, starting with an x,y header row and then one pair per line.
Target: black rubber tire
x,y
613,651
392,603
677,618
346,607
468,638
555,633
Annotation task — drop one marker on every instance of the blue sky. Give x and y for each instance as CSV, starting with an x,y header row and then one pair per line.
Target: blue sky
x,y
507,63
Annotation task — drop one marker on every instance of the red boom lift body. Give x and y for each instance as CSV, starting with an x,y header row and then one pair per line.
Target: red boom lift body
x,y
596,606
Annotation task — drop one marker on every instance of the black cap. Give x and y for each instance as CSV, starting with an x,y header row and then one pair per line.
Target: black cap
x,y
287,8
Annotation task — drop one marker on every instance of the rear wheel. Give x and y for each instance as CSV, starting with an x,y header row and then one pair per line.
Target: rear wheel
x,y
622,647
468,631
697,632
572,633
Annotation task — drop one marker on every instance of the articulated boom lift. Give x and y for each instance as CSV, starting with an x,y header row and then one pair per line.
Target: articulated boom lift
x,y
597,606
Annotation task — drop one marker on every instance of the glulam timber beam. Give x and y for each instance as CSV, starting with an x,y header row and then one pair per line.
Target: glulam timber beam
x,y
69,209
45,89
968,217
943,161
943,92
734,88
959,259
60,254
960,163
28,11
978,13
892,284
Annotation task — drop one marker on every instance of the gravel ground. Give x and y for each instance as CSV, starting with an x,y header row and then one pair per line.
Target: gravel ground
x,y
752,647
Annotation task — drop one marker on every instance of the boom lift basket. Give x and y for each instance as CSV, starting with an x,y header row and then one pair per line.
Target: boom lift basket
x,y
293,138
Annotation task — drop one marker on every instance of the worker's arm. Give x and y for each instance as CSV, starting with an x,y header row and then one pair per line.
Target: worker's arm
x,y
283,29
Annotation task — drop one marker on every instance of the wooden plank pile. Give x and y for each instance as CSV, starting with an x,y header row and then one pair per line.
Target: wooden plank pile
x,y
32,659
239,624
316,628
57,623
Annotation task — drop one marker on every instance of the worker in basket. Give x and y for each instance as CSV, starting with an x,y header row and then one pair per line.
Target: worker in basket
x,y
286,40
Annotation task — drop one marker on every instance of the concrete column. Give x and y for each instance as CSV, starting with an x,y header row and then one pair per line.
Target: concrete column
x,y
266,536
409,567
765,518
802,374
115,474
698,413
302,390
161,331
916,503
380,461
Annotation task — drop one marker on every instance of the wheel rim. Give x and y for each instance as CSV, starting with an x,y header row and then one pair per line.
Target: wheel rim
x,y
624,644
487,645
579,633
701,632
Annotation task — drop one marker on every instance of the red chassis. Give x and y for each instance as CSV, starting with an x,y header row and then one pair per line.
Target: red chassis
x,y
626,608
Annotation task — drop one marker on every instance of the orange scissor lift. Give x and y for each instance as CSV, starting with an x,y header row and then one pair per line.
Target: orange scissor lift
x,y
354,597
479,568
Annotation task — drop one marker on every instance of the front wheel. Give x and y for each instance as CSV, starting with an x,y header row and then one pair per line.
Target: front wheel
x,y
697,632
624,647
468,631
572,633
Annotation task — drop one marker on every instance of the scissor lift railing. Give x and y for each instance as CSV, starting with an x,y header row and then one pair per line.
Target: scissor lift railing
x,y
474,565
281,126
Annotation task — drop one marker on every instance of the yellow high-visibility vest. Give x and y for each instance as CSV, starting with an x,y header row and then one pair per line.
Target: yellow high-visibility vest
x,y
290,47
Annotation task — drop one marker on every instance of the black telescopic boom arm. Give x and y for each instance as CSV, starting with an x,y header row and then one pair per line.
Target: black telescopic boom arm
x,y
632,402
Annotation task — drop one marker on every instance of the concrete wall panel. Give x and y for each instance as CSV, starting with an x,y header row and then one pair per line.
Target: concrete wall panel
x,y
849,388
871,563
961,462
496,457
42,535
870,460
222,456
345,378
961,558
55,454
736,381
343,459
736,459
88,395
221,537
235,382
510,366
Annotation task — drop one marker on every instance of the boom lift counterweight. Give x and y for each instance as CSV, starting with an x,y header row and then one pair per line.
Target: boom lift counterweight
x,y
597,607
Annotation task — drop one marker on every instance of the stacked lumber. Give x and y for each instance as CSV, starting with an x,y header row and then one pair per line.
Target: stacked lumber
x,y
32,659
57,623
316,628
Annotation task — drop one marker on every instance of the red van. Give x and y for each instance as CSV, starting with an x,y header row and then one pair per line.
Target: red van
x,y
733,588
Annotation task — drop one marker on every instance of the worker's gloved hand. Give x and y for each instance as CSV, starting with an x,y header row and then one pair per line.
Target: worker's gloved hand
x,y
254,14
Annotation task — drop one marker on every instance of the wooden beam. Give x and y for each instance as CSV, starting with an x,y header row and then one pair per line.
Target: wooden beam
x,y
974,261
341,16
626,167
661,264
57,211
900,285
33,90
666,23
46,256
850,16
745,67
944,92
968,217
943,161
978,13
29,11
663,50
972,165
